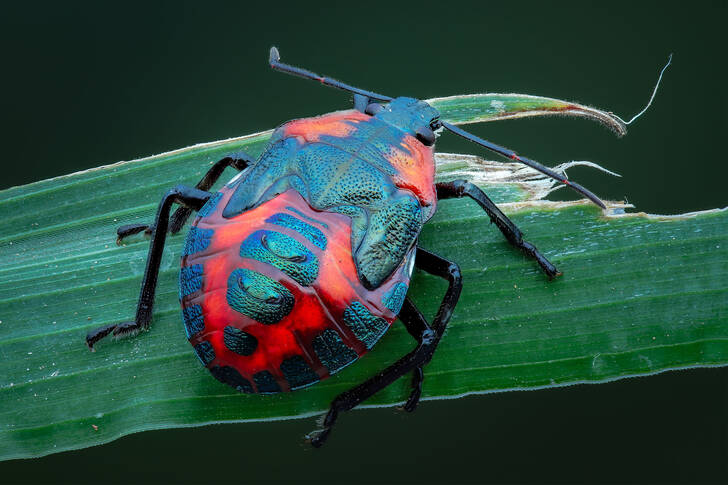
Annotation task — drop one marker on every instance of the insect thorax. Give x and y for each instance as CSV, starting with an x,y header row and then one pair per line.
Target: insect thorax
x,y
360,166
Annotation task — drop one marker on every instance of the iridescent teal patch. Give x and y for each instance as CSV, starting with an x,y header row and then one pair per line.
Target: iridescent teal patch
x,y
390,235
333,353
306,230
190,280
367,328
394,298
258,296
197,240
194,322
282,252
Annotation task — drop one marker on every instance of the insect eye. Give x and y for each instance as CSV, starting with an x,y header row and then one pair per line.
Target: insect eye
x,y
373,108
426,136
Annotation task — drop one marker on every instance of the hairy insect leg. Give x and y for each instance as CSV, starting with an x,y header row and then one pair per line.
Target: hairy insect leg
x,y
413,361
239,161
189,197
463,188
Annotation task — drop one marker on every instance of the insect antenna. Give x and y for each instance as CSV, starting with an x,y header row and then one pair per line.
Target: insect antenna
x,y
275,63
526,161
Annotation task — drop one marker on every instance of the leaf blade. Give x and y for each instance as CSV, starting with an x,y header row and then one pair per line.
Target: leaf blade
x,y
63,275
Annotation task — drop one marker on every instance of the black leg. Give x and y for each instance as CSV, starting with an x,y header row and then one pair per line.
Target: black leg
x,y
186,196
418,327
418,376
131,229
421,355
238,160
462,188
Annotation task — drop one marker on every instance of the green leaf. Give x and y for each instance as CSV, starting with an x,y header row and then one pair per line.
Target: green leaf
x,y
640,294
475,108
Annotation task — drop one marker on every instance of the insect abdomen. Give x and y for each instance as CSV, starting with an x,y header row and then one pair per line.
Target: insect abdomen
x,y
271,298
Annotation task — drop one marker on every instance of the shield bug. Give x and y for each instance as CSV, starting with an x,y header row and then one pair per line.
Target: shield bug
x,y
301,263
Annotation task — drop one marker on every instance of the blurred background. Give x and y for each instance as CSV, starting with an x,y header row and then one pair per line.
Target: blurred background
x,y
88,84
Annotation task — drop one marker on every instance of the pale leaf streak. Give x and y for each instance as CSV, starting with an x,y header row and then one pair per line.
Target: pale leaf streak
x,y
79,184
72,264
581,357
145,361
82,329
555,340
74,289
601,252
636,247
605,305
65,227
106,258
507,292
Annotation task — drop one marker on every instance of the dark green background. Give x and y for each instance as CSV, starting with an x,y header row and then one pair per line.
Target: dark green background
x,y
84,85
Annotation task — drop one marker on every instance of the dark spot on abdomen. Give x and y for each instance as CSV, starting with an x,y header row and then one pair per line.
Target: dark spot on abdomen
x,y
266,383
333,353
239,341
298,373
228,375
367,328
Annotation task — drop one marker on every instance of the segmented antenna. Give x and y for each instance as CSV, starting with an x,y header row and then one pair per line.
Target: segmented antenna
x,y
275,63
526,161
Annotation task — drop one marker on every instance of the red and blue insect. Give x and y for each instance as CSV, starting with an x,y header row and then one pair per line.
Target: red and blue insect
x,y
299,265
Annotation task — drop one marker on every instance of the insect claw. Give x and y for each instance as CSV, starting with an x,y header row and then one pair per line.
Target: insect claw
x,y
318,438
97,334
125,329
